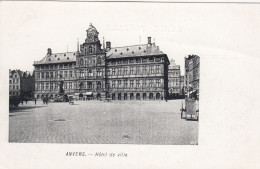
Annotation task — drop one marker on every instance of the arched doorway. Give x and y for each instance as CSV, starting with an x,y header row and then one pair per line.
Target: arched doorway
x,y
98,96
144,96
125,96
131,96
158,96
113,96
151,96
138,96
119,96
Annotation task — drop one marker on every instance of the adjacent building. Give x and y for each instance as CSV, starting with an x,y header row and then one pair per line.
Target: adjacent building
x,y
192,75
138,72
174,80
21,83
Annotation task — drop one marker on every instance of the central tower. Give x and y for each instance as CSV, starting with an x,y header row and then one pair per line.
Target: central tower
x,y
92,44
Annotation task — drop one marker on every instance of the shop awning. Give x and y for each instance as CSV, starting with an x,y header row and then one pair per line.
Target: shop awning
x,y
89,94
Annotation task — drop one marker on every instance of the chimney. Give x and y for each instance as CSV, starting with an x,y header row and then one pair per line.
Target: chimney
x,y
49,51
108,46
149,40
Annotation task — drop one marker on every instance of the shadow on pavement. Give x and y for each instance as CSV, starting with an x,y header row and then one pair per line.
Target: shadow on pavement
x,y
23,108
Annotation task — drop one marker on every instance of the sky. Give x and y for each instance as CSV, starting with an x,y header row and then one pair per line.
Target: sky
x,y
29,28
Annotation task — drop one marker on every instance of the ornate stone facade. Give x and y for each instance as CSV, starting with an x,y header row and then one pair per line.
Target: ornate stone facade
x,y
138,72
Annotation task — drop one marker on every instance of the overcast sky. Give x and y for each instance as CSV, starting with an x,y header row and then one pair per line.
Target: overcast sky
x,y
29,28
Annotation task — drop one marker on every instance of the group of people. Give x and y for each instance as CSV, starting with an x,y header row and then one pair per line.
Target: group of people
x,y
45,100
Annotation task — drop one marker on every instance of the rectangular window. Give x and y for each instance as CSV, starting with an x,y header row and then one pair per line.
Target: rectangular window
x,y
38,75
125,70
144,70
131,70
125,83
150,69
119,84
90,85
98,72
65,66
51,66
119,71
13,86
145,60
70,73
42,86
150,83
65,86
61,74
113,71
38,86
42,75
70,86
51,86
157,69
47,75
137,70
137,83
51,74
113,84
56,85
144,83
158,82
47,86
131,83
65,73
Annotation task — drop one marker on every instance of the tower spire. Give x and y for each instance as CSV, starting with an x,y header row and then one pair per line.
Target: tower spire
x,y
103,42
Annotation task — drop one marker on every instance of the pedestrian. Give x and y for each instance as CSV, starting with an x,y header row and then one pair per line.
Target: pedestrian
x,y
43,100
35,101
46,101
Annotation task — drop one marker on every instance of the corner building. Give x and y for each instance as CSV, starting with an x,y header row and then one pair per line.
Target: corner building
x,y
138,72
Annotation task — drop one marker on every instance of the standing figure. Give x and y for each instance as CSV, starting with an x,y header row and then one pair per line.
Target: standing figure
x,y
35,101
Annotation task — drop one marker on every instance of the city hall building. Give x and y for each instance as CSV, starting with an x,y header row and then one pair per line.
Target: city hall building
x,y
138,72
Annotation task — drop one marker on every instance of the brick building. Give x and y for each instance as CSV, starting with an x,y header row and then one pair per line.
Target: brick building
x,y
138,72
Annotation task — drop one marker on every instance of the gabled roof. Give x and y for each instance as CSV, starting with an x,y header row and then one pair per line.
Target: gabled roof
x,y
57,58
134,51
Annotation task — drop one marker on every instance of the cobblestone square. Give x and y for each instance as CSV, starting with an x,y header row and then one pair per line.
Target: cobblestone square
x,y
99,122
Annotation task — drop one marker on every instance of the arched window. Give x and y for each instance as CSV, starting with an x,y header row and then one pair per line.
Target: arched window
x,y
90,49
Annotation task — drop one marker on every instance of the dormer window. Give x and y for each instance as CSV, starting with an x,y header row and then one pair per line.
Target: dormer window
x,y
144,51
65,54
73,53
115,50
55,55
49,59
121,53
133,52
139,48
58,58
127,49
68,58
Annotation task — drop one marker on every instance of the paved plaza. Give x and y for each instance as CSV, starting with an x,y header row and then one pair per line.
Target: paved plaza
x,y
99,122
